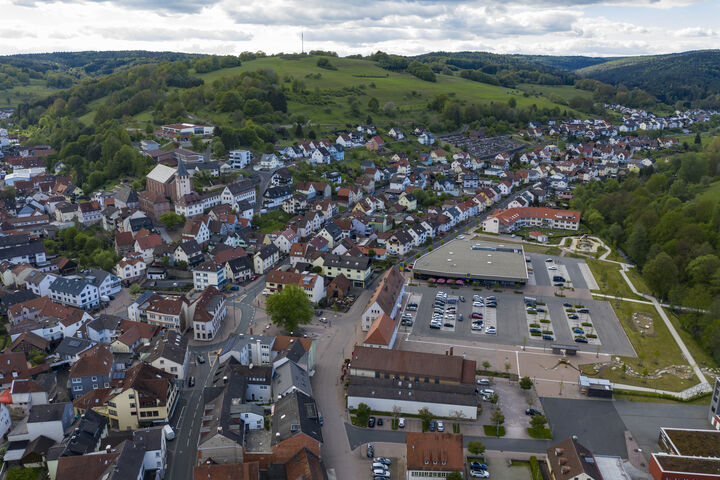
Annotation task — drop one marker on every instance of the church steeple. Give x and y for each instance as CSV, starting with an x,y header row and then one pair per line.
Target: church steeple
x,y
182,180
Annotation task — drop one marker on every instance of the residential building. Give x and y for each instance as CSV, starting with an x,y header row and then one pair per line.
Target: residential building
x,y
239,269
434,454
50,420
239,159
509,220
238,192
169,352
289,377
399,243
313,285
146,397
265,258
207,314
387,298
91,371
209,274
75,292
169,313
570,460
356,269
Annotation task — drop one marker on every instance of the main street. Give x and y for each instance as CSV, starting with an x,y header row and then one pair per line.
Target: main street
x,y
187,418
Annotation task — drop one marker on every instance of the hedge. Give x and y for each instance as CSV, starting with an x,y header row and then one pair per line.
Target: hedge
x,y
535,468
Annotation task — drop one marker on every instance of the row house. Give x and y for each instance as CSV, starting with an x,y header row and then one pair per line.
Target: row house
x,y
207,314
313,285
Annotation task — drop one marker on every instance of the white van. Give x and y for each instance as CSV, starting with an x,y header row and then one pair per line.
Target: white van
x,y
169,433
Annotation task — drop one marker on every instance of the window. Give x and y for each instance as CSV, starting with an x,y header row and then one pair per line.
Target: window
x,y
94,379
76,380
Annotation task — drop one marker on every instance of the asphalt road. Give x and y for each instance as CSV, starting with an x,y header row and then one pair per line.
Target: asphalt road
x,y
187,418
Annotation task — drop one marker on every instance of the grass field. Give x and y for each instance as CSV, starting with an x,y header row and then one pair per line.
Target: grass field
x,y
609,279
711,193
565,92
24,93
654,352
409,94
700,355
637,280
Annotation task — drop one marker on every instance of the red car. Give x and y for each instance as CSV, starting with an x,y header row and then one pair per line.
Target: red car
x,y
253,278
476,315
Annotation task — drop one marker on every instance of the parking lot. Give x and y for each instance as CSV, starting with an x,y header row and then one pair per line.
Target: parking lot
x,y
510,315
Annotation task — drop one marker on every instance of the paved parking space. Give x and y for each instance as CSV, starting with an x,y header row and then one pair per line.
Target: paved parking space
x,y
512,325
499,468
566,267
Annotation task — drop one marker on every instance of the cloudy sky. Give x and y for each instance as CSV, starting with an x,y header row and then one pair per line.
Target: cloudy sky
x,y
566,27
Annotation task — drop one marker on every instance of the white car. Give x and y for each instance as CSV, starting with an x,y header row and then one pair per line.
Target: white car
x,y
487,391
476,326
401,422
440,426
490,330
552,268
479,473
461,237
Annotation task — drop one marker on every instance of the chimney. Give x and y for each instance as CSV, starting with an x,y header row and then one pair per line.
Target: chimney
x,y
107,448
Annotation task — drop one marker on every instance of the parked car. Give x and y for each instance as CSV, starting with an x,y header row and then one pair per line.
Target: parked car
x,y
379,472
572,316
460,317
535,330
383,460
462,299
370,450
583,310
479,473
477,466
200,359
491,330
552,267
548,260
532,411
371,422
476,315
578,330
449,325
440,426
379,422
581,340
547,336
567,305
191,382
253,278
323,320
401,422
432,425
487,391
483,381
476,326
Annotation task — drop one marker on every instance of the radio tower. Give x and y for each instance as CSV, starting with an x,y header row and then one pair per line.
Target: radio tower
x,y
302,42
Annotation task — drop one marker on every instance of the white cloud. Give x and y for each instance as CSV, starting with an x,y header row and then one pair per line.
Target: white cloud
x,y
354,26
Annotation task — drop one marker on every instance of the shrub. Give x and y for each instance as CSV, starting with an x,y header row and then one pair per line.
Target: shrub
x,y
534,325
590,335
586,324
547,332
535,467
544,320
525,383
535,334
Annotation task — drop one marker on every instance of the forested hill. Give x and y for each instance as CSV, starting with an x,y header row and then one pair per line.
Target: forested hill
x,y
28,77
682,79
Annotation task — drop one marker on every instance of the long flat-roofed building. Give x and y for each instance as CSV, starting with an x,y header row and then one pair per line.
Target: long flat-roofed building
x,y
510,219
473,260
688,454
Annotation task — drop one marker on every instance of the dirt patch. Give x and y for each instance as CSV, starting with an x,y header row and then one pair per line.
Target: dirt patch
x,y
644,323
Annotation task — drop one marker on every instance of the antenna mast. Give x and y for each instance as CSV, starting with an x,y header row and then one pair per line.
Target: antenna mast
x,y
302,42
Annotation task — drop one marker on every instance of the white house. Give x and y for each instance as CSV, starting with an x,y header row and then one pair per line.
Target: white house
x,y
170,353
207,314
208,274
239,158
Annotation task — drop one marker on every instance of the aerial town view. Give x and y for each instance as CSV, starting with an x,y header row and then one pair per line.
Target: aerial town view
x,y
360,240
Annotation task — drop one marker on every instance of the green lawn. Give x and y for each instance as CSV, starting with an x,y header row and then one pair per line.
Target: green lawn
x,y
409,94
539,433
631,397
701,356
24,93
607,275
654,352
566,92
493,431
638,281
269,222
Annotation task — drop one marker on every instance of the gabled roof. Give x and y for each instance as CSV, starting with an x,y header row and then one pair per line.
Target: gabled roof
x,y
381,331
293,414
97,361
161,173
387,291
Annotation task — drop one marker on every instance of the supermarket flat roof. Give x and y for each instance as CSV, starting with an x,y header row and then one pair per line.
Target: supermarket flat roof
x,y
469,259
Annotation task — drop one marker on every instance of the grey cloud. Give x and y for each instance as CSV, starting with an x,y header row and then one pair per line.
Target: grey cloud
x,y
167,34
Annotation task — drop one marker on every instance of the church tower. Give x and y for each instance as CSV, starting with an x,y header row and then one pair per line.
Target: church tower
x,y
182,181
